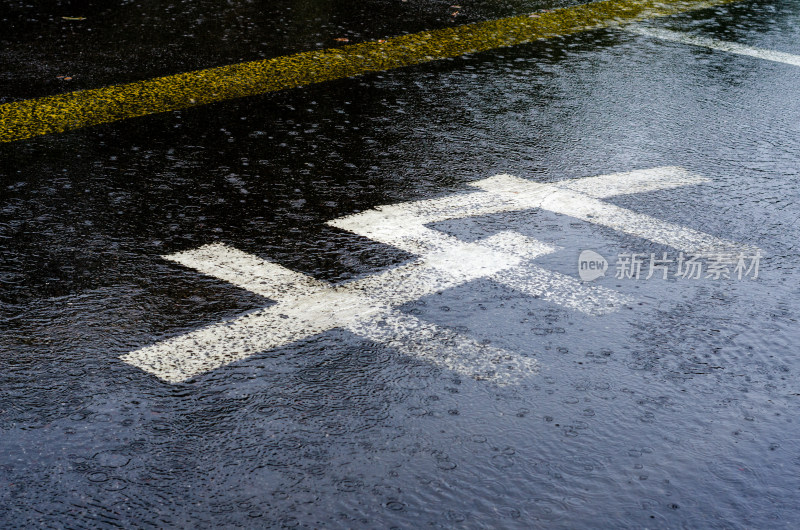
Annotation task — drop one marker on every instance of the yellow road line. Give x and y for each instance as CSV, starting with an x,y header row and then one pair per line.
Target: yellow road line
x,y
64,112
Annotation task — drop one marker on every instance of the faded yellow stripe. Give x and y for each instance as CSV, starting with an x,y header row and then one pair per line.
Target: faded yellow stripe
x,y
64,112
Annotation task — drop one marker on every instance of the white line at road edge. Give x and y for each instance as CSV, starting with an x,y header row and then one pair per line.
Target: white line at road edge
x,y
714,44
368,306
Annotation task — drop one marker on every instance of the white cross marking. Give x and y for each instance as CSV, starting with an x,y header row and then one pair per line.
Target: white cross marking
x,y
306,306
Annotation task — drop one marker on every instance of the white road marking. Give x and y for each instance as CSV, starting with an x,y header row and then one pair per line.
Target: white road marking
x,y
639,181
402,225
245,270
715,44
582,206
305,307
444,347
562,290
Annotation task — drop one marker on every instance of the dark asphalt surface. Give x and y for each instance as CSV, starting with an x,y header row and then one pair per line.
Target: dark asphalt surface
x,y
679,411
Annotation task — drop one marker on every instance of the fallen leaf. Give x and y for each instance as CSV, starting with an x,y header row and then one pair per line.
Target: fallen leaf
x,y
73,18
342,39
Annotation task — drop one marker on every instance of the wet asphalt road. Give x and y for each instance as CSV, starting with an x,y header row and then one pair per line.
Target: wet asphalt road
x,y
678,410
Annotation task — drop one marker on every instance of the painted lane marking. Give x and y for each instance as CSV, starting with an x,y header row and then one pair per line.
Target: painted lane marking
x,y
714,44
307,307
403,225
367,306
246,271
64,112
581,206
522,275
562,290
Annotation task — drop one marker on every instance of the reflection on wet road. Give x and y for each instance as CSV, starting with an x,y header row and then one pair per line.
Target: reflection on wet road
x,y
374,221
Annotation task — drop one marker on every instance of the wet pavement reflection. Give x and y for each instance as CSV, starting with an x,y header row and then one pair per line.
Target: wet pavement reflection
x,y
678,410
